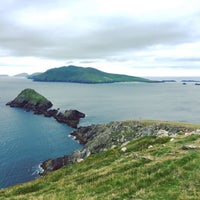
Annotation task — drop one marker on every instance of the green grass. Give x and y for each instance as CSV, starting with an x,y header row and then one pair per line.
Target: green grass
x,y
169,173
31,96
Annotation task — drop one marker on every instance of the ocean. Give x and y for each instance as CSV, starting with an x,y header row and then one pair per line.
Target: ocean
x,y
27,139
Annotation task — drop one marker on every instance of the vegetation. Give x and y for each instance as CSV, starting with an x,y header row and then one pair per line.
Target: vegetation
x,y
31,96
83,75
149,167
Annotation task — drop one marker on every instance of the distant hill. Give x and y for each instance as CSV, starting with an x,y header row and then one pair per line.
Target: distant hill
x,y
83,75
33,75
21,75
4,75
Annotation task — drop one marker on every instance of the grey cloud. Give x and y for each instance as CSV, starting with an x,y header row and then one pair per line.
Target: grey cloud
x,y
112,36
179,59
115,37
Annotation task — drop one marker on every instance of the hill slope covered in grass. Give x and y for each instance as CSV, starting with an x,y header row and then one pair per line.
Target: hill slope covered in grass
x,y
164,166
83,75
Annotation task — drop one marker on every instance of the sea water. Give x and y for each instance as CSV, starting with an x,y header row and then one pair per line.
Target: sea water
x,y
27,139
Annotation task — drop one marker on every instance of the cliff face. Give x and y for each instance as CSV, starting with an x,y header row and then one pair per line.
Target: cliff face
x,y
70,117
100,137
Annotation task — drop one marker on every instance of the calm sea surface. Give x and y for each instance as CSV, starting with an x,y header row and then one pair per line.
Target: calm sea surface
x,y
26,139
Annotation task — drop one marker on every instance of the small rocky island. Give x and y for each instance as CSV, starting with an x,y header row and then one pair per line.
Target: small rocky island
x,y
30,100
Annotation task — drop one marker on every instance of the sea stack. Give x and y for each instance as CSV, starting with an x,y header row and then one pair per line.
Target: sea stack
x,y
30,100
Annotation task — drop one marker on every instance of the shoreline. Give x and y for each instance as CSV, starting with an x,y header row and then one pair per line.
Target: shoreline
x,y
100,137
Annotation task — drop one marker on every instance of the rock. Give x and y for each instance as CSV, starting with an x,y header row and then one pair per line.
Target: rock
x,y
150,146
70,117
51,113
125,143
145,159
79,160
190,147
123,149
54,164
163,133
57,163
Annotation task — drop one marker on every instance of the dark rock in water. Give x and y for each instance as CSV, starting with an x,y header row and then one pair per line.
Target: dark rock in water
x,y
30,100
51,113
85,133
57,163
70,117
54,164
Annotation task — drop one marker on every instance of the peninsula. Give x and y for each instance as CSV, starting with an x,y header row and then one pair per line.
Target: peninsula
x,y
76,74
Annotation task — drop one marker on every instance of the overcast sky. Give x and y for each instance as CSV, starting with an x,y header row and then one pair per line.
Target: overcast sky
x,y
136,37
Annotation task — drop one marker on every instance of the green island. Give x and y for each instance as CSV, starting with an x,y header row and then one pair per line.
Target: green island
x,y
135,160
30,96
76,74
29,99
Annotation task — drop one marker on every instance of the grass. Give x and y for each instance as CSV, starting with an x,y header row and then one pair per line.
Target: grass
x,y
31,96
168,173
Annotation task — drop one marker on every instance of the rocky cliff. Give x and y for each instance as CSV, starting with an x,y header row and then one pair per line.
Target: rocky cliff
x,y
98,138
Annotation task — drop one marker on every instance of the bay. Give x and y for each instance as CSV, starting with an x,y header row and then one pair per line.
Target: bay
x,y
26,139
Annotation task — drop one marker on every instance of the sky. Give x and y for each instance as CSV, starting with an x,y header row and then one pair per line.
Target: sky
x,y
135,37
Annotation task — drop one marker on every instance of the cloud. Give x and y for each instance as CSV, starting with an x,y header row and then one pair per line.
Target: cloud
x,y
91,31
110,37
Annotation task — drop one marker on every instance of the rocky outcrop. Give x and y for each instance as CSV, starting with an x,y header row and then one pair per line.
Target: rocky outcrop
x,y
70,117
103,136
57,163
98,138
30,100
54,164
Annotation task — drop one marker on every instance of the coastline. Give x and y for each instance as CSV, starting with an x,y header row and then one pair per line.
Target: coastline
x,y
100,137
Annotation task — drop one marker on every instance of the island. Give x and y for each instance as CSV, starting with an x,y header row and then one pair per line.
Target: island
x,y
21,75
75,74
30,100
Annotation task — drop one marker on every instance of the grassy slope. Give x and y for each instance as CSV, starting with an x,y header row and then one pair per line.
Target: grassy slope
x,y
164,171
83,75
31,96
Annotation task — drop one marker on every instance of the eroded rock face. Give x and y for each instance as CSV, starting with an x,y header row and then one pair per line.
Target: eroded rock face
x,y
57,163
70,117
98,138
54,164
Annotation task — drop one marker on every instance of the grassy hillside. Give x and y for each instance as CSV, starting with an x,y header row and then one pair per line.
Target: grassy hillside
x,y
149,167
31,96
83,75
